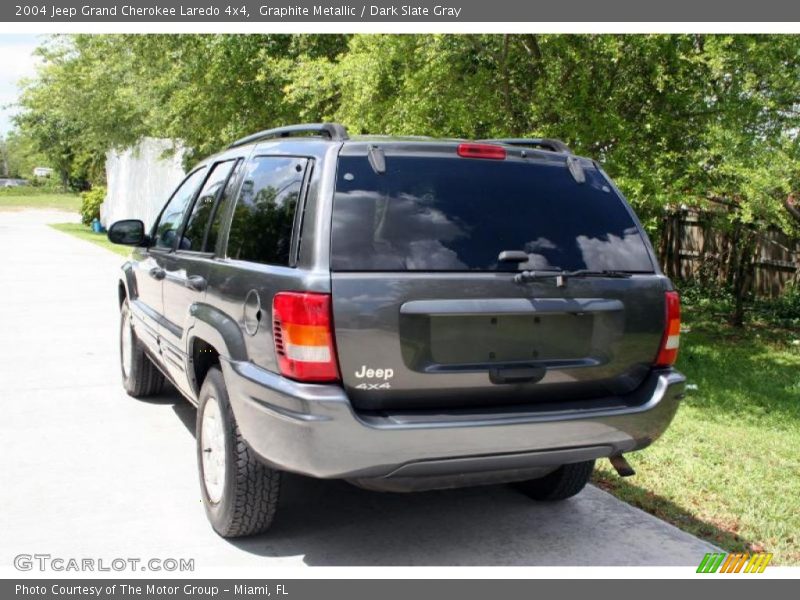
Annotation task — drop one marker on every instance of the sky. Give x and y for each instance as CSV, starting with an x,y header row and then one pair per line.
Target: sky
x,y
16,62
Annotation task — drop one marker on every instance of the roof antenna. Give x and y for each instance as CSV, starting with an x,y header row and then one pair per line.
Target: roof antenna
x,y
576,170
377,160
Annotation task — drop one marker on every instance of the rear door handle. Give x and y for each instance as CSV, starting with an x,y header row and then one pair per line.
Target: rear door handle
x,y
196,283
157,273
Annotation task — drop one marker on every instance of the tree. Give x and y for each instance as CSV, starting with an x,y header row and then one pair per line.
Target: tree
x,y
18,156
95,93
675,119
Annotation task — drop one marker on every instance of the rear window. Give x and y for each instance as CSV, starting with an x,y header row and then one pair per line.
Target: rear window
x,y
458,214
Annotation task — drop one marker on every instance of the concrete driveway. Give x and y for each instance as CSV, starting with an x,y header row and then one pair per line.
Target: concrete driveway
x,y
88,471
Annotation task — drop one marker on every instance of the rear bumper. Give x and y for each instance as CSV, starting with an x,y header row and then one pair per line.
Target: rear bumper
x,y
313,430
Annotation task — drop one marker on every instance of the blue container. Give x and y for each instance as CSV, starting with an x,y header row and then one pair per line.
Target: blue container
x,y
97,227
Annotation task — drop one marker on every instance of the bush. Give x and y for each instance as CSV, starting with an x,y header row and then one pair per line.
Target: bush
x,y
713,304
48,184
785,309
29,190
90,204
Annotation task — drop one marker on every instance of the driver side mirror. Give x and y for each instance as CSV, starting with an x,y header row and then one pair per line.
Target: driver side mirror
x,y
129,232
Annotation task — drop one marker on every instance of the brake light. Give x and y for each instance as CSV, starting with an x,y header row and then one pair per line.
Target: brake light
x,y
303,335
481,151
668,352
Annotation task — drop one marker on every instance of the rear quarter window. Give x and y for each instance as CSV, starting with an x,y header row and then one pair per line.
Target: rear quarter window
x,y
459,214
263,218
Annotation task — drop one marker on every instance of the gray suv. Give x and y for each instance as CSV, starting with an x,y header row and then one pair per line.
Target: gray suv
x,y
402,313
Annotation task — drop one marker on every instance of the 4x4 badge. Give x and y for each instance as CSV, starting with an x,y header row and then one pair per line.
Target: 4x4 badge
x,y
381,375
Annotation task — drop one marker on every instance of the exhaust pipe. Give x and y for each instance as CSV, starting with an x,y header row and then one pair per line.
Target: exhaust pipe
x,y
621,466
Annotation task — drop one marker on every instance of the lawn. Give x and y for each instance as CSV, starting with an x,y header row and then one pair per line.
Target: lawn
x,y
85,233
51,201
728,470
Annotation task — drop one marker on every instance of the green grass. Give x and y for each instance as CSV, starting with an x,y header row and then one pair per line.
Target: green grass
x,y
47,200
85,233
728,469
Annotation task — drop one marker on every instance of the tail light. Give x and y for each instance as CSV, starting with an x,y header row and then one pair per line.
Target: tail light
x,y
303,334
481,151
668,352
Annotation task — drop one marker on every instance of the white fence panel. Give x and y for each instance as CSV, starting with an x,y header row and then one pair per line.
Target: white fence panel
x,y
140,179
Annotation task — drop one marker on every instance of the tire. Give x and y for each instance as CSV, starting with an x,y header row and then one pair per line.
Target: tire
x,y
140,377
241,496
565,482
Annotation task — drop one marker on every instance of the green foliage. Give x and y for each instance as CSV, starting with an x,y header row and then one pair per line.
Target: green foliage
x,y
43,185
709,307
23,190
674,118
90,204
33,198
107,91
18,156
783,311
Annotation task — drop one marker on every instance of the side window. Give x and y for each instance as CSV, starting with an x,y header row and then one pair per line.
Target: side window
x,y
173,213
261,228
195,230
219,212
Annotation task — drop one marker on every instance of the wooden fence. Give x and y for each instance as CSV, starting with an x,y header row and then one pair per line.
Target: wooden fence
x,y
692,248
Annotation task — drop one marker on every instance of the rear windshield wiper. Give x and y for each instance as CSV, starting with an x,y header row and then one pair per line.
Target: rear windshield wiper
x,y
562,276
603,273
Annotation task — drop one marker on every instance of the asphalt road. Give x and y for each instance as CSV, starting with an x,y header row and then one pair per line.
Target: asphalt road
x,y
88,471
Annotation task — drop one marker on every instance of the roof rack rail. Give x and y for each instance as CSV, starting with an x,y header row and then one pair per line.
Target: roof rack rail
x,y
550,144
333,131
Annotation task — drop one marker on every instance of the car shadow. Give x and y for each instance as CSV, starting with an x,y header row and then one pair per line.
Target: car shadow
x,y
186,413
665,509
182,408
333,523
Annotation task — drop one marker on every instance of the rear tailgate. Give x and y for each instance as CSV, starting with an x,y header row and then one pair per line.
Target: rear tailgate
x,y
427,316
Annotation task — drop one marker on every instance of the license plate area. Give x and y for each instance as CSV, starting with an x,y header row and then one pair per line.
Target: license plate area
x,y
482,335
509,338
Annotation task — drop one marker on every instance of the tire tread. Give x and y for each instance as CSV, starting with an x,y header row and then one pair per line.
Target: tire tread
x,y
565,482
256,487
258,490
145,379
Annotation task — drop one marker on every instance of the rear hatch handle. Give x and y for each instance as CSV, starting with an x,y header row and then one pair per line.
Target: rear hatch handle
x,y
521,374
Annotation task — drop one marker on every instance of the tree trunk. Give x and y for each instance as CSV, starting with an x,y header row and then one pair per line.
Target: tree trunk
x,y
663,246
4,154
733,246
677,244
742,273
793,206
